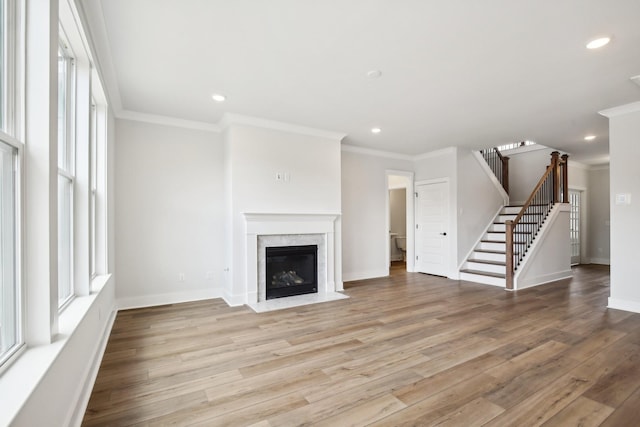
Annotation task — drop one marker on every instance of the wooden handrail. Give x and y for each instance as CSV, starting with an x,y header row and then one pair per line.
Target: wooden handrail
x,y
546,174
543,197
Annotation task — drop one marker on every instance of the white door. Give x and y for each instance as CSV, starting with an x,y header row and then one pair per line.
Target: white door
x,y
575,218
432,228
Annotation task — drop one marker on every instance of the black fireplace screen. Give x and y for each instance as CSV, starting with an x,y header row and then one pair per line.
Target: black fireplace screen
x,y
291,270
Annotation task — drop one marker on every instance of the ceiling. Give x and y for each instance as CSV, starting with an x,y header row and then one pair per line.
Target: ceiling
x,y
454,72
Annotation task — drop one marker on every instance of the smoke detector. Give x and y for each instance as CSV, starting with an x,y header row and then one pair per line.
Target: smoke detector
x,y
636,79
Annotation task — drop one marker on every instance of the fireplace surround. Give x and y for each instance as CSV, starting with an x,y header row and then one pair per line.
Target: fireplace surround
x,y
278,230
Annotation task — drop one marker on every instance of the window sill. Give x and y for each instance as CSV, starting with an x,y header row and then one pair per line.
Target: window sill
x,y
22,378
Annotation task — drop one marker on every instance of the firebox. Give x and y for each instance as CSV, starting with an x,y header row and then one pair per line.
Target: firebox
x,y
291,270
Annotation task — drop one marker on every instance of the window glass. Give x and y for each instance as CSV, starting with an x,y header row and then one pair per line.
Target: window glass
x,y
63,111
66,108
9,287
65,237
93,178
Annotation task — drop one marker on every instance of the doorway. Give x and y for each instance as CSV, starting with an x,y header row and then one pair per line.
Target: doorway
x,y
398,232
575,224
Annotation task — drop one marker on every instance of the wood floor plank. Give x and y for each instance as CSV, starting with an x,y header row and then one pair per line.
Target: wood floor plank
x,y
581,412
409,349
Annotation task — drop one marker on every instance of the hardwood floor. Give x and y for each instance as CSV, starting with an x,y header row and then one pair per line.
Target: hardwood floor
x,y
410,349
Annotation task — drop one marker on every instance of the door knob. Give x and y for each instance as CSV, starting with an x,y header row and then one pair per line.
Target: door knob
x,y
443,234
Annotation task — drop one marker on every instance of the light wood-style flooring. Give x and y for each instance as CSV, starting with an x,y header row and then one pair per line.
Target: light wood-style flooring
x,y
410,349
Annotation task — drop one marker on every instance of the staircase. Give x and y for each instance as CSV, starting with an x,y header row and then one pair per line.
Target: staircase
x,y
487,262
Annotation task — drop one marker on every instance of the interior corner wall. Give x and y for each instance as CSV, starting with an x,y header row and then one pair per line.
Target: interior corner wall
x,y
364,228
478,202
624,150
169,214
310,168
599,219
525,170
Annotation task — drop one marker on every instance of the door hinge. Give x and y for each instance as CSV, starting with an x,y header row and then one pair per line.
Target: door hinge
x,y
416,257
416,193
417,226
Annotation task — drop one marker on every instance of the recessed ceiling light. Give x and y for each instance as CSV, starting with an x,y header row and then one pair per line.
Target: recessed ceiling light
x,y
218,98
598,43
376,130
589,137
374,74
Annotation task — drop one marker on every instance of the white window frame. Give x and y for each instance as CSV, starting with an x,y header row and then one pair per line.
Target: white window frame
x,y
66,169
11,134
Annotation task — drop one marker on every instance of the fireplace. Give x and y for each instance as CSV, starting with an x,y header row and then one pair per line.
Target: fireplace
x,y
291,270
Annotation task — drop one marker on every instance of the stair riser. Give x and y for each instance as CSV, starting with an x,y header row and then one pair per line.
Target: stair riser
x,y
500,237
492,246
511,210
498,227
525,218
489,268
489,256
495,281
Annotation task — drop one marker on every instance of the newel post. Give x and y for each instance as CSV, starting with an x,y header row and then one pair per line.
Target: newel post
x,y
565,178
556,176
509,254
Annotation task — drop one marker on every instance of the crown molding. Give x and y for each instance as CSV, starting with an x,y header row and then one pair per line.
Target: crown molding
x,y
377,153
436,153
167,121
621,110
237,119
91,16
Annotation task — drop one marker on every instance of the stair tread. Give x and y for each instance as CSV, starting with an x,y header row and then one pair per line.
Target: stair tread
x,y
521,222
502,241
483,273
516,232
485,261
490,251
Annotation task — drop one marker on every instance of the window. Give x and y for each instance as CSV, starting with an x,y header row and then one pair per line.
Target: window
x,y
93,186
66,95
9,286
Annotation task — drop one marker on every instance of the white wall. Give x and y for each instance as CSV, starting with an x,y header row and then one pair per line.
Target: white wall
x,y
311,184
624,149
525,170
478,202
599,228
398,211
549,257
364,229
169,214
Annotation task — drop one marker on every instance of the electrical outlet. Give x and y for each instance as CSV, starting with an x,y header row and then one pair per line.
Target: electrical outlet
x,y
279,176
181,277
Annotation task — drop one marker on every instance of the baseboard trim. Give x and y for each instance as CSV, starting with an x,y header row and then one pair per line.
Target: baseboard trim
x,y
363,275
625,305
541,280
601,261
169,298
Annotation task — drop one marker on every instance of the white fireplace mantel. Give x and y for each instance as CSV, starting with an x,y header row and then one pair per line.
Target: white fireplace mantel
x,y
283,224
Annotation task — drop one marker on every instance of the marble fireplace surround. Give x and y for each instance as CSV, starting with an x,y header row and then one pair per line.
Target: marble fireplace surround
x,y
284,229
